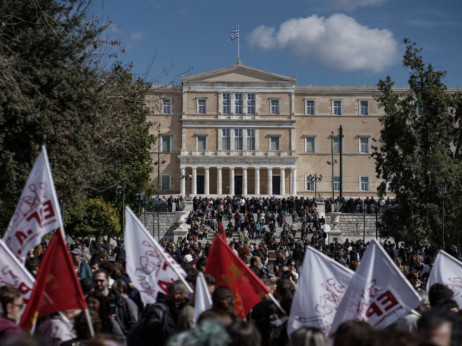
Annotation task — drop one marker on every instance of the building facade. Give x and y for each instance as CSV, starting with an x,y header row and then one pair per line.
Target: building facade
x,y
239,130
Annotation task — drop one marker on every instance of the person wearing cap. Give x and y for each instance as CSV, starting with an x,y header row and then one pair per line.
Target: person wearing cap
x,y
189,259
83,270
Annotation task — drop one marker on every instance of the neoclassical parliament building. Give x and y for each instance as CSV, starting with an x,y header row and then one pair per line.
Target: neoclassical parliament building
x,y
243,131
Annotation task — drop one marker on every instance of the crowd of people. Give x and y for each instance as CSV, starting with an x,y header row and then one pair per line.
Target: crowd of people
x,y
119,316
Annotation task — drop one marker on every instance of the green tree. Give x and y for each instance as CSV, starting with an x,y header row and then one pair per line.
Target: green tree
x,y
54,92
417,151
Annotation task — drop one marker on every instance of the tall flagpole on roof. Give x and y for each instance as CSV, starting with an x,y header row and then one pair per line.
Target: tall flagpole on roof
x,y
238,47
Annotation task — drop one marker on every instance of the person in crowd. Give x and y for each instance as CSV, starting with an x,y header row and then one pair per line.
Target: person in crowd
x,y
311,336
11,303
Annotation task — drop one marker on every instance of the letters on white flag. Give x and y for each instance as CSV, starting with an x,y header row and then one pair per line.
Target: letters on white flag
x,y
319,291
447,271
378,293
37,212
202,300
13,273
149,265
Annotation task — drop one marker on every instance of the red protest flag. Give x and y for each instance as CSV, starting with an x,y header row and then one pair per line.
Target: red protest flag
x,y
222,230
56,287
228,269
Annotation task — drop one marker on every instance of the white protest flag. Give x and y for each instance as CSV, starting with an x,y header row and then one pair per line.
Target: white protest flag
x,y
202,300
13,273
37,212
447,271
320,289
378,293
149,265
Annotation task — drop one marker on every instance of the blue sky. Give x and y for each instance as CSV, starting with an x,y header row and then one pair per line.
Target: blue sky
x,y
321,42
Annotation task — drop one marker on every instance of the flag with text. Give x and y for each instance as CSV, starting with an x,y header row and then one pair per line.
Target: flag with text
x,y
150,267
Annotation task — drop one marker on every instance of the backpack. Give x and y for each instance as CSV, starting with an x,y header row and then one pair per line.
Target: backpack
x,y
135,334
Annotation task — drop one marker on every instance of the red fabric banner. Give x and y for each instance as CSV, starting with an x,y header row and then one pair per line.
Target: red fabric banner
x,y
56,287
228,269
222,230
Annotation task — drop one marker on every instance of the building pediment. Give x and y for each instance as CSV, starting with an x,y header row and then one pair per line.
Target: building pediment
x,y
239,73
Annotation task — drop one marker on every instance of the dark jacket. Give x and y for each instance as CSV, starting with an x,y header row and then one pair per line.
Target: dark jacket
x,y
122,311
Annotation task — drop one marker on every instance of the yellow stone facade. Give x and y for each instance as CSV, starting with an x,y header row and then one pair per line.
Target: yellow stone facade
x,y
239,130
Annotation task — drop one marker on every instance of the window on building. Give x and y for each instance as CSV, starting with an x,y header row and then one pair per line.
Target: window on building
x,y
250,139
238,103
165,182
309,145
250,103
226,104
418,108
225,140
336,145
337,107
336,183
364,145
309,184
364,183
201,143
165,144
201,106
274,106
238,139
274,143
166,106
309,107
364,107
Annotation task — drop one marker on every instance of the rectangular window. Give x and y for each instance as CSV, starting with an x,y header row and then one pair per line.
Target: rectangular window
x,y
274,143
309,184
250,139
364,183
201,143
226,104
250,103
166,106
165,180
364,107
364,145
337,183
337,107
274,106
309,107
309,145
201,106
336,144
225,140
238,103
165,142
418,108
238,139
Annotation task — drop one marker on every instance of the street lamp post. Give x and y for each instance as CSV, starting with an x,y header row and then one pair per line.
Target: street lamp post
x,y
315,178
412,201
443,192
120,192
139,198
332,163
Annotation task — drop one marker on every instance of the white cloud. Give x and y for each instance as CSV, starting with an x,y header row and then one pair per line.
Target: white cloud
x,y
352,4
138,35
338,42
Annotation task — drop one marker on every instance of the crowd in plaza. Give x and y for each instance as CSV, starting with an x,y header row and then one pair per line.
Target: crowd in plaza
x,y
256,229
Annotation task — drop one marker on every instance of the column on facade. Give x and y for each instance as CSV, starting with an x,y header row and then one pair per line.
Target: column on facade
x,y
293,181
219,181
257,181
270,181
231,181
194,181
283,181
244,181
207,181
183,182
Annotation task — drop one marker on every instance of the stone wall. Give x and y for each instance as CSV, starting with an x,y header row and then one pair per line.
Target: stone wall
x,y
167,223
352,225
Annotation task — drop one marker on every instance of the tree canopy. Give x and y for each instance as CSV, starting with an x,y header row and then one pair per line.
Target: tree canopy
x,y
419,153
54,92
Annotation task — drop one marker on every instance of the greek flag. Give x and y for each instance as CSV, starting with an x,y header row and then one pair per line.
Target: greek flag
x,y
234,34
